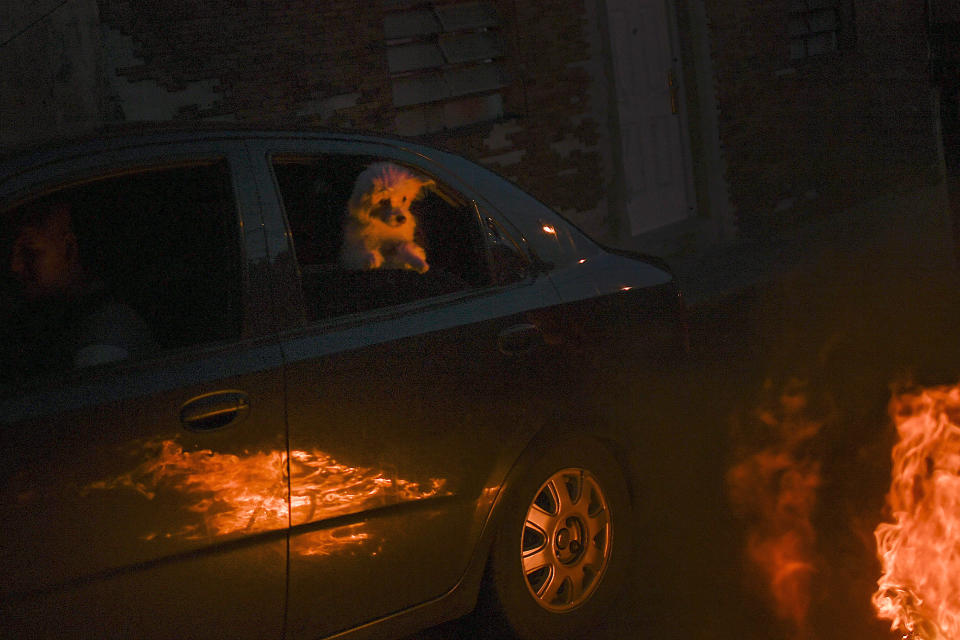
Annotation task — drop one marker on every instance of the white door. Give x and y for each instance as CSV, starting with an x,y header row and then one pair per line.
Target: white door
x,y
648,99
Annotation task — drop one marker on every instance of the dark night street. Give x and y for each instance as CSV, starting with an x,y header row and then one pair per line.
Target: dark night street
x,y
313,315
824,343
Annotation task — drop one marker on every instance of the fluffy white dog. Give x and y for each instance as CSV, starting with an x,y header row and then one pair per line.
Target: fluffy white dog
x,y
378,231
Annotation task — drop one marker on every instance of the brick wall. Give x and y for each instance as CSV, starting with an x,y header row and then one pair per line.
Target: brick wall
x,y
813,135
257,61
325,64
551,143
799,136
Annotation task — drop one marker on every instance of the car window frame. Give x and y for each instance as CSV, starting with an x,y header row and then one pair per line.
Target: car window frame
x,y
38,175
549,250
264,151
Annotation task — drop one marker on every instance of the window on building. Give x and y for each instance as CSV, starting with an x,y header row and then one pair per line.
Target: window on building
x,y
446,66
818,27
355,254
119,268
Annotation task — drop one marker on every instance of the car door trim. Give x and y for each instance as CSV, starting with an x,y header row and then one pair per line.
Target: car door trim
x,y
365,330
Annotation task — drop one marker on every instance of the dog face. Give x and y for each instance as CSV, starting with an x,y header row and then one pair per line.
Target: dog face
x,y
379,228
383,194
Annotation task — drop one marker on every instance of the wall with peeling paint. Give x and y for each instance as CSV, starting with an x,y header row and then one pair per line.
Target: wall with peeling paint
x,y
228,60
859,119
554,140
326,64
147,99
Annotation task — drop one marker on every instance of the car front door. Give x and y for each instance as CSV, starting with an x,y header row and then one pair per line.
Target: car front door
x,y
409,395
146,496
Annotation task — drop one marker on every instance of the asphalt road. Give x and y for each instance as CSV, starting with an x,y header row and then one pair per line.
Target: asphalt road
x,y
821,346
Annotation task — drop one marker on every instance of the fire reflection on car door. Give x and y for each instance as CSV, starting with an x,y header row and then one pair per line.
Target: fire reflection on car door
x,y
422,425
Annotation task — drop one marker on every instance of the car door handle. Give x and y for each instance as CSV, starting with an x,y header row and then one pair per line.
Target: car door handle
x,y
214,410
519,338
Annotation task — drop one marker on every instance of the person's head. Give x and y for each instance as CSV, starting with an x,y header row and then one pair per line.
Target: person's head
x,y
45,257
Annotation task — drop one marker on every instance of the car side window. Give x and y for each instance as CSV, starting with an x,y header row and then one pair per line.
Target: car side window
x,y
119,268
508,263
371,233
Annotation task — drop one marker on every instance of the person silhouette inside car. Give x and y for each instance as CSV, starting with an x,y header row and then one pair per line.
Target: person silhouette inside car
x,y
75,318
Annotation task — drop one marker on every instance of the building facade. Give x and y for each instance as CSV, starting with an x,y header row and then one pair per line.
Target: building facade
x,y
705,118
822,103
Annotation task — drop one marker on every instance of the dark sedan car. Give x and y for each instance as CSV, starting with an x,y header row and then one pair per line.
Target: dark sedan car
x,y
215,425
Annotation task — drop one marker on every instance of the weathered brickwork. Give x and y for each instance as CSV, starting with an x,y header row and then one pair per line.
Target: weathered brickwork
x,y
816,134
798,137
268,59
325,64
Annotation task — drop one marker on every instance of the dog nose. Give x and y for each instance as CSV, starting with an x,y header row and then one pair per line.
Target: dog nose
x,y
400,218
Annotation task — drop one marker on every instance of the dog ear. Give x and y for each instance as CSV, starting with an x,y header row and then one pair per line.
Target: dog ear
x,y
359,205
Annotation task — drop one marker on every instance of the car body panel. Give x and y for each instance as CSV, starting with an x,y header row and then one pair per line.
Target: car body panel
x,y
428,410
126,522
123,515
357,493
416,413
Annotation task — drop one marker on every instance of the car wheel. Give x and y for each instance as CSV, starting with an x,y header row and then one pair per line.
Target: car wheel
x,y
563,549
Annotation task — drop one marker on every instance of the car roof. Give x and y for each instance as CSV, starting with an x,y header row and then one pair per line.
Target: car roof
x,y
120,135
124,134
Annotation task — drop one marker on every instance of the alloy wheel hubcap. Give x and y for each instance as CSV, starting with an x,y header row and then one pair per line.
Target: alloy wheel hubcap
x,y
566,540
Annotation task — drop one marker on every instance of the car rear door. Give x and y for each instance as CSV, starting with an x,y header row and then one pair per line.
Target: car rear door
x,y
147,497
409,395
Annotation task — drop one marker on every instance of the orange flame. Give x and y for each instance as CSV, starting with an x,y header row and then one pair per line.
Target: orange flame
x,y
919,591
246,494
775,489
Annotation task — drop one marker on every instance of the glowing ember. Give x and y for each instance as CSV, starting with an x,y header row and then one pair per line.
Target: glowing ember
x,y
774,489
919,591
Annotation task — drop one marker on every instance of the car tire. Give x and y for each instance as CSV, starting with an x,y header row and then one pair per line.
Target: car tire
x,y
563,549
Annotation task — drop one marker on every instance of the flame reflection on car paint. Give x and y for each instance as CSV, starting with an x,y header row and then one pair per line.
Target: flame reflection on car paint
x,y
329,541
229,494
